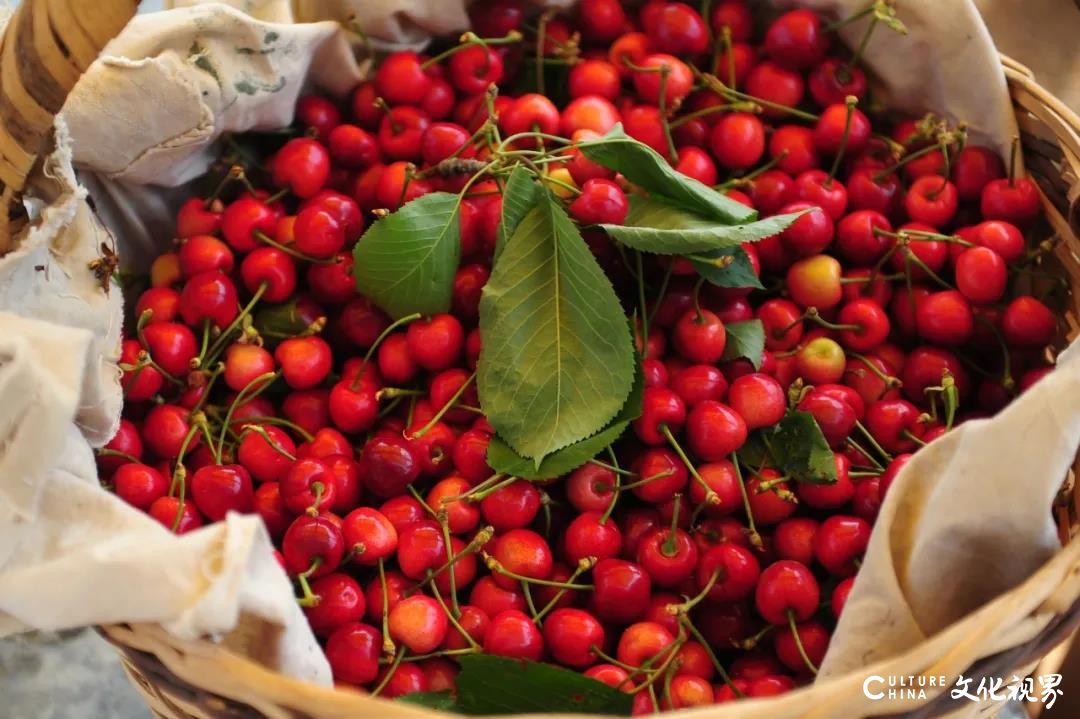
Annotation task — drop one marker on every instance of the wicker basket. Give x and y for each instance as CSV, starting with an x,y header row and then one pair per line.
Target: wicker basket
x,y
46,47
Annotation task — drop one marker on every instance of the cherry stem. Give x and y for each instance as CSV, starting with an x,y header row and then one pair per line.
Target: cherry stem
x,y
716,85
710,496
282,422
862,450
250,391
388,643
912,258
748,177
310,599
855,17
235,172
444,523
481,538
850,101
873,442
1014,150
453,619
798,642
375,345
864,473
442,410
911,435
541,41
672,651
868,279
599,652
699,317
106,452
390,672
714,109
890,381
223,338
261,431
848,66
728,45
319,489
669,548
613,468
755,538
495,566
617,489
684,620
904,160
697,599
584,565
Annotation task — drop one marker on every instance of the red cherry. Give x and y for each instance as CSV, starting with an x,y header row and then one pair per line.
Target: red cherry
x,y
813,638
1002,237
945,318
511,507
784,587
163,430
779,86
973,168
737,140
435,344
735,15
840,543
590,112
310,538
308,485
317,113
714,430
871,322
1027,322
771,190
679,29
700,336
680,80
353,651
810,234
139,485
1015,201
419,623
797,40
198,217
817,188
759,399
513,634
203,253
893,423
600,202
401,80
601,20
588,536
528,112
340,602
305,361
475,67
832,81
621,591
209,296
981,275
571,634
632,47
166,509
302,165
829,132
594,77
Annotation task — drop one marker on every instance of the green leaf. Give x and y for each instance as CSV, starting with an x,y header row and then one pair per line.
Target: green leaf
x,y
557,359
505,460
740,273
519,196
655,225
276,322
489,685
645,167
406,261
798,448
745,340
440,701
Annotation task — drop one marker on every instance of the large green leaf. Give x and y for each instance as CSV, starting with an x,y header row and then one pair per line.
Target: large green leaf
x,y
645,167
519,196
745,340
406,261
739,273
505,460
489,685
557,358
655,225
442,701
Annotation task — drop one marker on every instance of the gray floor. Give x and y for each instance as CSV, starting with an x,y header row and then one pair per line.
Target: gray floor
x,y
73,676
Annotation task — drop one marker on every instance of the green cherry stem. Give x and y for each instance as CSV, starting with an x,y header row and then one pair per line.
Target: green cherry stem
x,y
669,548
310,599
444,409
469,39
798,643
873,442
388,643
390,672
710,496
250,391
850,101
495,566
453,620
401,321
584,565
684,620
755,538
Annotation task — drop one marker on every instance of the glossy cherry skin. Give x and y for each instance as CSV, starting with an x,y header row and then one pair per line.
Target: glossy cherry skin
x,y
302,165
511,507
309,538
840,543
571,634
353,651
419,623
513,634
668,557
736,570
588,536
786,586
341,602
621,591
714,430
1027,322
389,464
643,642
139,485
218,490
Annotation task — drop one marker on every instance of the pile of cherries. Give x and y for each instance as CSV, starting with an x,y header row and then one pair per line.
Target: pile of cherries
x,y
258,379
